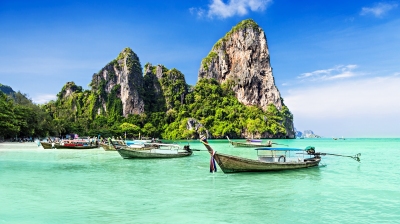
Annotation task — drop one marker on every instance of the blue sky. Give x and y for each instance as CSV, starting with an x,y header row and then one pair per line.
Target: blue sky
x,y
336,63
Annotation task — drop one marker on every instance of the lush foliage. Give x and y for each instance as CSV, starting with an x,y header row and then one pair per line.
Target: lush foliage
x,y
218,110
20,118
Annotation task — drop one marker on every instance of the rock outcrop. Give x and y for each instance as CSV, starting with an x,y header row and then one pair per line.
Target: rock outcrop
x,y
6,89
123,78
195,125
68,89
242,58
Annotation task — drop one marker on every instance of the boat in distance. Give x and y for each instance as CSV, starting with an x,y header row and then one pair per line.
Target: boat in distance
x,y
46,145
162,151
250,143
114,144
70,144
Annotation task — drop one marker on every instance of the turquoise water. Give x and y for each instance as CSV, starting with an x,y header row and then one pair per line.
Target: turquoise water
x,y
97,186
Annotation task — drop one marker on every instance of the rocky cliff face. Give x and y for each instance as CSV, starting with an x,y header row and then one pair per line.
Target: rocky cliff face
x,y
122,78
242,58
68,89
169,84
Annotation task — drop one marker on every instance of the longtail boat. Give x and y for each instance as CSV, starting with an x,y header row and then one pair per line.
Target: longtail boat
x,y
250,143
47,145
162,151
114,144
70,144
269,159
107,147
111,145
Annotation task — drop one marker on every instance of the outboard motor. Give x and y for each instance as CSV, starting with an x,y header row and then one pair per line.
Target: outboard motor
x,y
310,150
187,148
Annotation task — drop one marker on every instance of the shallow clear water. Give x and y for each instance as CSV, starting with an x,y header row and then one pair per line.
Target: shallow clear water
x,y
97,186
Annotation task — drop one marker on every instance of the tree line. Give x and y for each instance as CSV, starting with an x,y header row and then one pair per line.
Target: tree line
x,y
213,107
21,118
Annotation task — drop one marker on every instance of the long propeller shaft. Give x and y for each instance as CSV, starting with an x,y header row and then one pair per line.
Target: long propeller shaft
x,y
356,157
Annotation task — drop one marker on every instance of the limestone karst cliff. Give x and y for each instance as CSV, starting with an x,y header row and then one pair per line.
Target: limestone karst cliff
x,y
123,80
242,57
121,89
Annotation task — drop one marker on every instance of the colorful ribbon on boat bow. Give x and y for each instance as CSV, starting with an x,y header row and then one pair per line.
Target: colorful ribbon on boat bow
x,y
213,167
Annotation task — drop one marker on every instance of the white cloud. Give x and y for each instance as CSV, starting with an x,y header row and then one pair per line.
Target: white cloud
x,y
199,12
337,72
378,10
218,8
368,107
43,98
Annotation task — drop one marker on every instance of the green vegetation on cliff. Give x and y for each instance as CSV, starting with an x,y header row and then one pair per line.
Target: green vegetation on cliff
x,y
168,109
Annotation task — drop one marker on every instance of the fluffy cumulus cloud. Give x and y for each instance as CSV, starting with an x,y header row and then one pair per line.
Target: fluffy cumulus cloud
x,y
337,72
378,9
221,9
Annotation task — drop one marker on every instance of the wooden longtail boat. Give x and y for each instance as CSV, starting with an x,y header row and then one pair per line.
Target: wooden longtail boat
x,y
141,141
163,151
107,147
69,144
117,144
250,144
269,159
46,145
234,164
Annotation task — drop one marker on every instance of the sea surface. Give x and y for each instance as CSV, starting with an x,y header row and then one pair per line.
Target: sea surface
x,y
95,186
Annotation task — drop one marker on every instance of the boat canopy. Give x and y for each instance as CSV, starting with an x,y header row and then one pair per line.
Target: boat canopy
x,y
254,140
280,149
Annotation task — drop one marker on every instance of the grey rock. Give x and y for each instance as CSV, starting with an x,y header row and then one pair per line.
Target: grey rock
x,y
242,56
126,72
